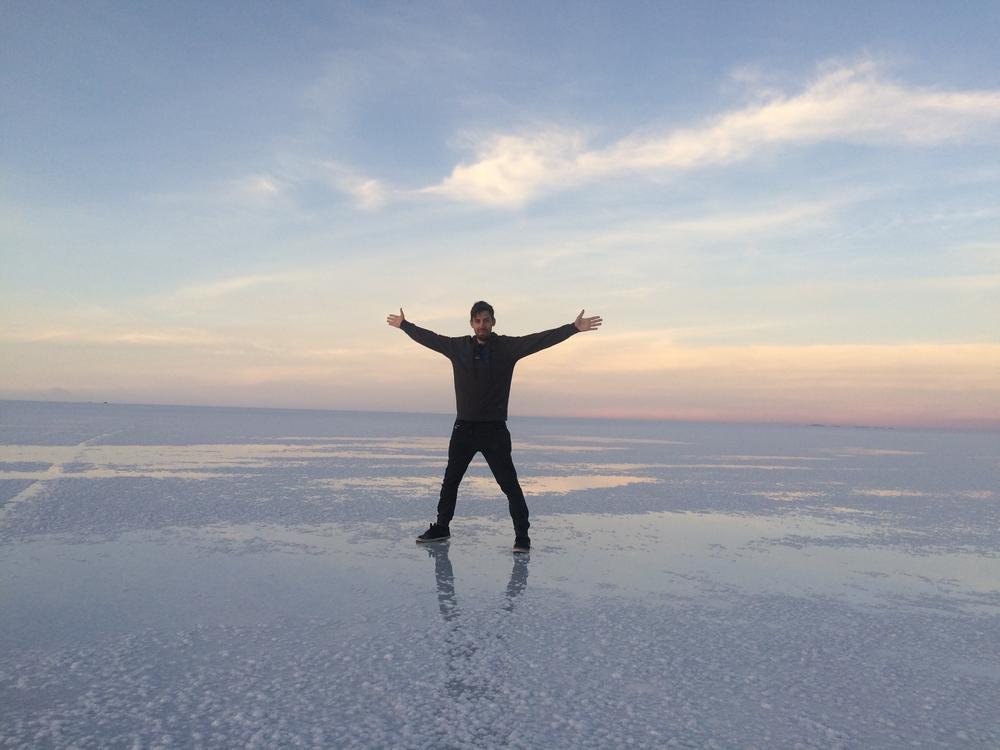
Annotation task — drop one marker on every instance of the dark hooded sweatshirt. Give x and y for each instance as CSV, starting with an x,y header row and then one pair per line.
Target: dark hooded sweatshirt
x,y
483,371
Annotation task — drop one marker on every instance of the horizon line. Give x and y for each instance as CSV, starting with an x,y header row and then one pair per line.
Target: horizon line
x,y
986,425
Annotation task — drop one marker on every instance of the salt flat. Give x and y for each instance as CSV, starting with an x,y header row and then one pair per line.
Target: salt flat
x,y
183,577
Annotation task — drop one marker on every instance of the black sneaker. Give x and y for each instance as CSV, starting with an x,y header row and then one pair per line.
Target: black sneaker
x,y
436,533
522,544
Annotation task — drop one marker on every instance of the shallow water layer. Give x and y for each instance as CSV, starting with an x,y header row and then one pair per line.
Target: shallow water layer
x,y
219,578
183,578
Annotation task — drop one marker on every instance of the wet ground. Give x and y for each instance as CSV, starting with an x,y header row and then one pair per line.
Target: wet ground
x,y
218,578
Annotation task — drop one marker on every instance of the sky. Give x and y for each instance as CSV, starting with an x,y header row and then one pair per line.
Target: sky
x,y
784,211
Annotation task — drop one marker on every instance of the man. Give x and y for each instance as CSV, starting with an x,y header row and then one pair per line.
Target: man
x,y
483,365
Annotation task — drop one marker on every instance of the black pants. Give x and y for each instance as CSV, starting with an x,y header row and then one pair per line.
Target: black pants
x,y
492,439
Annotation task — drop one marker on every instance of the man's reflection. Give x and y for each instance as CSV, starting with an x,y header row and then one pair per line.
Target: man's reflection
x,y
444,576
460,647
518,580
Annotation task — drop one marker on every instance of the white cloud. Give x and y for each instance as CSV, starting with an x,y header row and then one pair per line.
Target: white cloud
x,y
368,193
510,170
848,104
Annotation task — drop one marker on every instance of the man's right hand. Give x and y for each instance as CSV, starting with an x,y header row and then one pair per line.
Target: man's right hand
x,y
395,320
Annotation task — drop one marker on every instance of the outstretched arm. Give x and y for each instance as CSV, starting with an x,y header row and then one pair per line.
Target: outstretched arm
x,y
535,342
431,340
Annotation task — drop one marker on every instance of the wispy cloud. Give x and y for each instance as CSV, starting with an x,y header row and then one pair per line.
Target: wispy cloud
x,y
255,188
987,251
846,104
810,289
132,336
221,288
282,186
798,215
252,190
367,192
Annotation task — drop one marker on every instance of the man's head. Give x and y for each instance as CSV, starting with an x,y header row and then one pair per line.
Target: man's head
x,y
481,319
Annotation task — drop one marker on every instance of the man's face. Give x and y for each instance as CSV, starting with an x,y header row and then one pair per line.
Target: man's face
x,y
482,323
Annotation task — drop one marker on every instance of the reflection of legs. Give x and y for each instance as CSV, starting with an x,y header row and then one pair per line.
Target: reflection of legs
x,y
461,449
518,580
445,579
497,455
461,682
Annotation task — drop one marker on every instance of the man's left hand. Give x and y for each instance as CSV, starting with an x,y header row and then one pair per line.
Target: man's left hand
x,y
587,324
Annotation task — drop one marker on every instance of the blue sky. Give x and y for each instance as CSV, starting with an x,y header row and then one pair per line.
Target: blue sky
x,y
784,211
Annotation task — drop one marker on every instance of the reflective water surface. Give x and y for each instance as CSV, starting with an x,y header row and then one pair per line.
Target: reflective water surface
x,y
219,578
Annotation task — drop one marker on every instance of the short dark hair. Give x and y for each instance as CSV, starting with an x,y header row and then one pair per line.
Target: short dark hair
x,y
481,307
